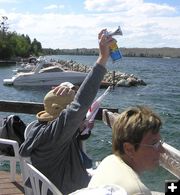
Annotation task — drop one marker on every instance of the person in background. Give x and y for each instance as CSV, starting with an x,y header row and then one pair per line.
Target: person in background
x,y
52,143
137,145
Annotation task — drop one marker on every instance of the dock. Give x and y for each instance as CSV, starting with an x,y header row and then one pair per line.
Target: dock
x,y
10,188
105,85
35,107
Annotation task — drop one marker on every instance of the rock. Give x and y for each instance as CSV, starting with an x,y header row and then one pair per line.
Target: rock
x,y
122,83
120,79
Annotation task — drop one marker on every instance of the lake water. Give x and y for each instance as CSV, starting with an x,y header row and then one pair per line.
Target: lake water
x,y
162,94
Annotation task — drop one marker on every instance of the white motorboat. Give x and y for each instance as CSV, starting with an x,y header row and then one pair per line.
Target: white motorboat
x,y
29,65
50,76
25,67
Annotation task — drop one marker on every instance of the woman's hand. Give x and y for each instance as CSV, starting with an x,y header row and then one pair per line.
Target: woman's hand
x,y
63,91
104,43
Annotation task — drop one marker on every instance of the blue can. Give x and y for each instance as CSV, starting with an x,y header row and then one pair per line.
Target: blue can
x,y
114,52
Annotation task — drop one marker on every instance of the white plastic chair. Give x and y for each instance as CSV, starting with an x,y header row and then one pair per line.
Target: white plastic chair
x,y
23,161
41,185
25,174
12,159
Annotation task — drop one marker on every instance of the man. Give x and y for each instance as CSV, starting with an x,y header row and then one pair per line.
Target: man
x,y
52,142
137,146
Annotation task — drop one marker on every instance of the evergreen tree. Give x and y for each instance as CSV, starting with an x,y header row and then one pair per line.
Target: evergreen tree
x,y
13,45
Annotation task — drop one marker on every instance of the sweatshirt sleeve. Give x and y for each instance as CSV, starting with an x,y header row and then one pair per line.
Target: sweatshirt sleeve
x,y
74,114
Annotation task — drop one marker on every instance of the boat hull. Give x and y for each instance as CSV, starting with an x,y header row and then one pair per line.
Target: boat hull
x,y
46,79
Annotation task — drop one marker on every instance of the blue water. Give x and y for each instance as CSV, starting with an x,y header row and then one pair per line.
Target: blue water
x,y
162,94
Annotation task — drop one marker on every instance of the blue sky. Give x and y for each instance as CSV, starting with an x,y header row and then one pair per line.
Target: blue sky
x,y
76,23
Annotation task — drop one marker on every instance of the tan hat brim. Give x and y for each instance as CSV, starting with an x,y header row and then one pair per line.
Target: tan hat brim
x,y
44,116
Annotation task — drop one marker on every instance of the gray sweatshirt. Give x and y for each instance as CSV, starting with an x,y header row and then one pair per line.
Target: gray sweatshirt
x,y
53,146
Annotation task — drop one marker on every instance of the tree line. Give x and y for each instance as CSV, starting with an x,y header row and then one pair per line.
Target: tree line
x,y
13,45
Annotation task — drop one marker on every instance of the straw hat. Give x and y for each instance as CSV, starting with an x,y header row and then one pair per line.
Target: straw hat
x,y
54,104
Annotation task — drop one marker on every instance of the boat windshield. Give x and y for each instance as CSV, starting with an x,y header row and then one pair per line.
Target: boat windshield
x,y
51,69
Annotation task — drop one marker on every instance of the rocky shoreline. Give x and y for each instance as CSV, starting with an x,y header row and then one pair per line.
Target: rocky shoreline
x,y
118,78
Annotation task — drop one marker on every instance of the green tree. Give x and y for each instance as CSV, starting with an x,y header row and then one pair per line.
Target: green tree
x,y
4,24
5,50
15,45
36,47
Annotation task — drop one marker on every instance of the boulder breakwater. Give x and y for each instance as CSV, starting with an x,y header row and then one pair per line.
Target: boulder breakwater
x,y
117,78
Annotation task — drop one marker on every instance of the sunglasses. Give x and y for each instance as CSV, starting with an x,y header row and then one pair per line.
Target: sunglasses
x,y
155,146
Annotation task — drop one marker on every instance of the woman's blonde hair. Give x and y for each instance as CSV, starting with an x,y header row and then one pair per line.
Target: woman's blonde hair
x,y
131,125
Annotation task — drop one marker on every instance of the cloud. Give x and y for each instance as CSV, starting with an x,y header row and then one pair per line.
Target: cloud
x,y
150,9
143,24
2,12
9,1
111,5
50,7
51,30
135,7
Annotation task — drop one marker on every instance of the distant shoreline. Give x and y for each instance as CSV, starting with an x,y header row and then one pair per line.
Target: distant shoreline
x,y
164,52
8,61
